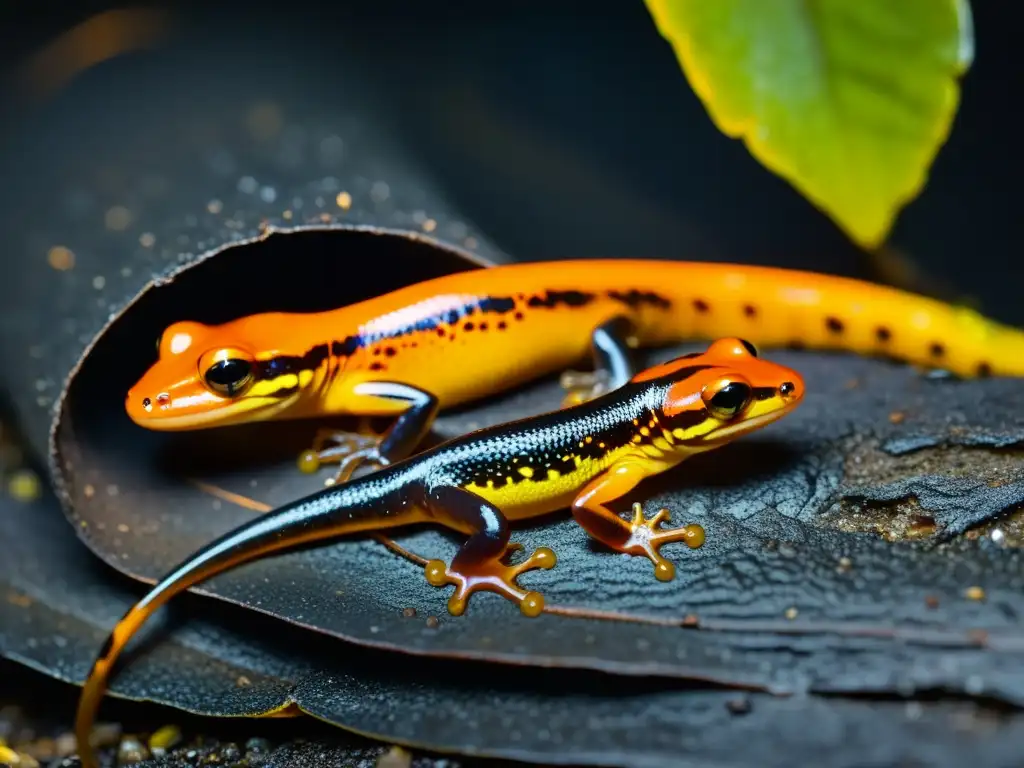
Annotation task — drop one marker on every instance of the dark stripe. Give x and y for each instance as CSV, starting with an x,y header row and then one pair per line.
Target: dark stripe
x,y
764,393
316,356
679,375
636,299
553,299
283,365
686,420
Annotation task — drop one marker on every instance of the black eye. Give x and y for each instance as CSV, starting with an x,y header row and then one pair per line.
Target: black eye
x,y
229,377
729,400
749,347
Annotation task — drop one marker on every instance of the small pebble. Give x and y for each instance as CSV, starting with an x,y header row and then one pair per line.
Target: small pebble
x,y
257,746
131,751
432,622
163,739
229,753
105,734
739,705
66,745
42,749
409,613
974,593
396,757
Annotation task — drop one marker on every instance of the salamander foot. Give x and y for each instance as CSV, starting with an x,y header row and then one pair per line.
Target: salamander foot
x,y
348,449
646,538
491,576
583,386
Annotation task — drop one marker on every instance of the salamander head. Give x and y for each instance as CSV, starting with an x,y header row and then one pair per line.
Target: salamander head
x,y
713,397
208,376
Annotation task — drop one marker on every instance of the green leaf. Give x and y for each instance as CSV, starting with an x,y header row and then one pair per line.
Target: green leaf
x,y
848,100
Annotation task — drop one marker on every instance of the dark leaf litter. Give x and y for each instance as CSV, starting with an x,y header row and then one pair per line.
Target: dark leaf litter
x,y
59,602
788,602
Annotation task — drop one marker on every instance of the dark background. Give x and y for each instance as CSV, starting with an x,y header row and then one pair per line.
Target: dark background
x,y
561,129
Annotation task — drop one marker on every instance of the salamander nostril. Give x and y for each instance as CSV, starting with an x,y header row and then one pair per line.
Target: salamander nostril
x,y
147,404
786,388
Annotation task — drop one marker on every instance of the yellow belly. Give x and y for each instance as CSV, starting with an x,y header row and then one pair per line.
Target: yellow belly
x,y
529,491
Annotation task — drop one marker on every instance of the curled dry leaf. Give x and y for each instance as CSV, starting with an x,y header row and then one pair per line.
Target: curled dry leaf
x,y
782,510
57,603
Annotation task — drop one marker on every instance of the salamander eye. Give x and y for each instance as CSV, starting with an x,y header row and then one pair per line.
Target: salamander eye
x,y
749,347
229,377
227,372
728,401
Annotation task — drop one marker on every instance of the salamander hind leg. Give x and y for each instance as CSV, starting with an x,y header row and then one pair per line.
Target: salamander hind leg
x,y
352,449
641,536
612,344
478,564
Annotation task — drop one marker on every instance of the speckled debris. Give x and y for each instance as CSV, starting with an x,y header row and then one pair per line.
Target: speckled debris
x,y
58,602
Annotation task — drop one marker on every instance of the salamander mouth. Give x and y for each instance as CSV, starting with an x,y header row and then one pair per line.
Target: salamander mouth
x,y
729,433
245,410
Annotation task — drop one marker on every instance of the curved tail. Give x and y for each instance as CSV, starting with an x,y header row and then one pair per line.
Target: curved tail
x,y
780,307
333,512
687,300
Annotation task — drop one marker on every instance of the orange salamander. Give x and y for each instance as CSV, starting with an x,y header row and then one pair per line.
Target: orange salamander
x,y
582,457
453,339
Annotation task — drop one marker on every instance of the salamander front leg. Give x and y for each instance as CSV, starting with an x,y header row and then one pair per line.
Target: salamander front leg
x,y
478,564
400,439
640,536
612,344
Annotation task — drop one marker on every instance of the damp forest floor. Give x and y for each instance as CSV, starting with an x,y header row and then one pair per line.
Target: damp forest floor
x,y
36,715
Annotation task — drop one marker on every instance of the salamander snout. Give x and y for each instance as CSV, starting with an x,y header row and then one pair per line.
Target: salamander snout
x,y
789,389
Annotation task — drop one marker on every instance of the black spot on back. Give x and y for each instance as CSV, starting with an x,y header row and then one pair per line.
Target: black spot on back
x,y
834,325
498,304
984,370
936,349
750,310
882,333
553,299
635,299
700,305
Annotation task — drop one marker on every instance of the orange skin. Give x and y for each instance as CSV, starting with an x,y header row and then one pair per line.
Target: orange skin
x,y
583,457
539,321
